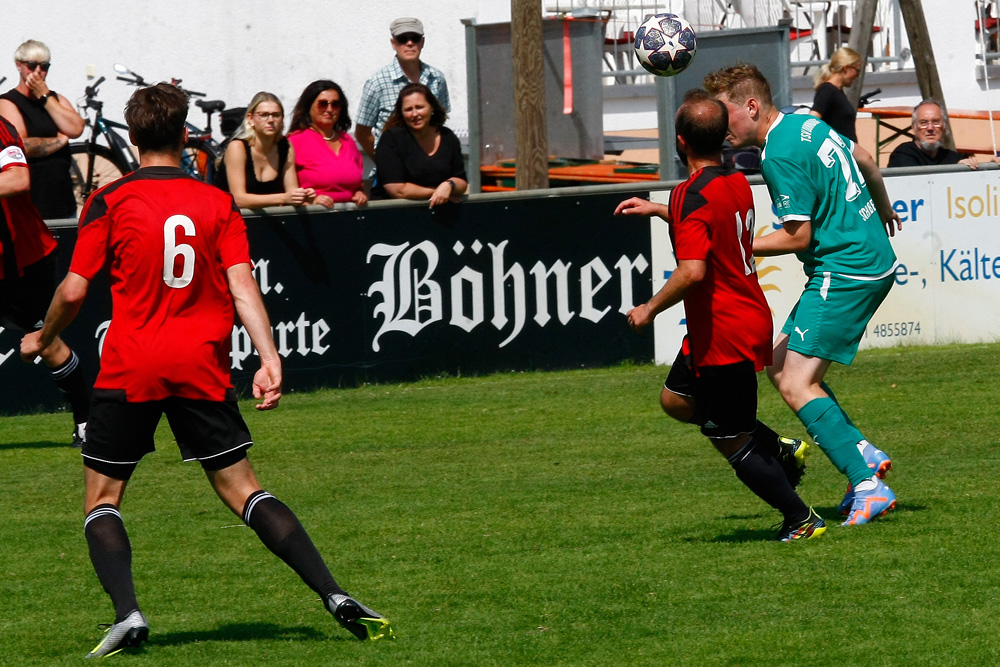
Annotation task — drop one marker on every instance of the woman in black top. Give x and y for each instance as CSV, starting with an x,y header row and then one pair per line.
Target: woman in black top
x,y
46,122
830,102
417,157
259,165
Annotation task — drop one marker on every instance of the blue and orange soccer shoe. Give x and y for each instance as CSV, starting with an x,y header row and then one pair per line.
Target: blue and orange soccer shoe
x,y
877,460
879,463
870,504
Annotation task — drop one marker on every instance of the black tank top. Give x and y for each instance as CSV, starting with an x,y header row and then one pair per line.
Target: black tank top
x,y
254,187
51,185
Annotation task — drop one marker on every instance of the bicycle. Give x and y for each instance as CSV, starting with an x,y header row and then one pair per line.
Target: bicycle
x,y
201,152
94,164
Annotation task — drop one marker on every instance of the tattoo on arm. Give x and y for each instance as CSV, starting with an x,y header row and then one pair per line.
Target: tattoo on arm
x,y
41,146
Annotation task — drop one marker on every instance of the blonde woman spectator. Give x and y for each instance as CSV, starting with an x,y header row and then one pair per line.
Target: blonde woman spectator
x,y
830,103
259,165
45,121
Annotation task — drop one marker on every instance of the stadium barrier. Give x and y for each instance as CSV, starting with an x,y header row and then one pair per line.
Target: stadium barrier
x,y
396,291
538,280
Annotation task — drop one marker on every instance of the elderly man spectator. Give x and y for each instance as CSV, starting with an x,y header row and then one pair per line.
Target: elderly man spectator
x,y
930,131
378,98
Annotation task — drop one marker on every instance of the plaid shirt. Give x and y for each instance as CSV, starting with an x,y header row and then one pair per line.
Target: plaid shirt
x,y
378,98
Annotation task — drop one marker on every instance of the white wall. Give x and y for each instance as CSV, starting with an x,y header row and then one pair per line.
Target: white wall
x,y
231,49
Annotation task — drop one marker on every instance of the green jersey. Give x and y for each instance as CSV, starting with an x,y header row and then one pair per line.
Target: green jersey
x,y
811,175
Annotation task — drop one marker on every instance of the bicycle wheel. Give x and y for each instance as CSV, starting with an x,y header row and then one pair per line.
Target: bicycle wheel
x,y
105,171
199,161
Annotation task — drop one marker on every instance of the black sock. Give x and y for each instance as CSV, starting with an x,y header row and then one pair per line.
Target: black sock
x,y
767,438
280,531
763,475
111,554
69,379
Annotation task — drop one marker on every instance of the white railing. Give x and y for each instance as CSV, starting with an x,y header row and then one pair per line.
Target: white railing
x,y
817,28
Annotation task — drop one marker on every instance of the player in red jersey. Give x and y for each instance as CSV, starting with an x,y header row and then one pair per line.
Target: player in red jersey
x,y
179,261
28,273
713,382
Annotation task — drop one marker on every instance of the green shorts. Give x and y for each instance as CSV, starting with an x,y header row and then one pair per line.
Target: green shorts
x,y
831,315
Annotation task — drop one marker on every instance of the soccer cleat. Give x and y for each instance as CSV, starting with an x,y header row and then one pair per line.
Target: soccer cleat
x,y
868,505
812,526
792,458
133,631
845,504
80,435
877,460
359,620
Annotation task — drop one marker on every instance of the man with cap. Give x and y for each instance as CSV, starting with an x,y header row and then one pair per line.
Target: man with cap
x,y
380,92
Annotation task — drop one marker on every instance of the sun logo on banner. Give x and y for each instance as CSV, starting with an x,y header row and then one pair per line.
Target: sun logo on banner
x,y
764,269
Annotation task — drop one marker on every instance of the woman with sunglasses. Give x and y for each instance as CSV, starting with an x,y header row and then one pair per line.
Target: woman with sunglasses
x,y
326,157
417,157
258,168
830,103
46,122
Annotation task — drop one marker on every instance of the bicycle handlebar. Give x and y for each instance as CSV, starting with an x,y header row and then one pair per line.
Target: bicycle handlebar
x,y
866,99
132,81
91,91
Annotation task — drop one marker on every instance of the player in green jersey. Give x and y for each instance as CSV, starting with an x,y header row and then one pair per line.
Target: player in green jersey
x,y
836,217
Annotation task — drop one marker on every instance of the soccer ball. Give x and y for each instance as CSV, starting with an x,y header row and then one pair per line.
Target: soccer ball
x,y
665,44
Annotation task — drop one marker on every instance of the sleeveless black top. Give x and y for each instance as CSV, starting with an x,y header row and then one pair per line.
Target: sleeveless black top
x,y
51,184
254,187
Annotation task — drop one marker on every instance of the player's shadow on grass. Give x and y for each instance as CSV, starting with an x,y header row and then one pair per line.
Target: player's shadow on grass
x,y
241,632
829,514
36,445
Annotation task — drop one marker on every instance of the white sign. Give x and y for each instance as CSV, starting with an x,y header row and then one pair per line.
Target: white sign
x,y
947,282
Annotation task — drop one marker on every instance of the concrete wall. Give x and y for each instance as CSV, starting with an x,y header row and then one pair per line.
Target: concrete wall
x,y
231,49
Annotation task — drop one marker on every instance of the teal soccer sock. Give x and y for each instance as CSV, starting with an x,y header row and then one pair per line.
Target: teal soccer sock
x,y
825,422
829,392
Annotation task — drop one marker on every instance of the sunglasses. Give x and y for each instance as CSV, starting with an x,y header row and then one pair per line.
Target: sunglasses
x,y
333,105
34,64
408,37
267,115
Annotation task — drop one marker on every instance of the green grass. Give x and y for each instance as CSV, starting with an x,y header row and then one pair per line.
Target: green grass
x,y
534,519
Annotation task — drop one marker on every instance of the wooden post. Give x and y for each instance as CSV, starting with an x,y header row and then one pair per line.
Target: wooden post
x,y
529,95
923,53
861,37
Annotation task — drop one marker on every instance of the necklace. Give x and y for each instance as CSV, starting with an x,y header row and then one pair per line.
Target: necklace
x,y
332,137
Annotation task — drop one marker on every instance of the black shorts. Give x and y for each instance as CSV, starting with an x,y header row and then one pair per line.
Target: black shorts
x,y
25,300
120,433
725,397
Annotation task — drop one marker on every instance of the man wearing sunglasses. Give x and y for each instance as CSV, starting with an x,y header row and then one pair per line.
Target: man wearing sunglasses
x,y
46,121
380,92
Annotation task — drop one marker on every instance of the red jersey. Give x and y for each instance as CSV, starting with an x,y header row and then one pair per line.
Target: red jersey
x,y
712,219
24,237
167,240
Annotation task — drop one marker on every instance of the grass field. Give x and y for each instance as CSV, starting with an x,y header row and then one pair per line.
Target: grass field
x,y
534,519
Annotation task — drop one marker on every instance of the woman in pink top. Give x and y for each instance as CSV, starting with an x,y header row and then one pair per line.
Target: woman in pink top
x,y
326,157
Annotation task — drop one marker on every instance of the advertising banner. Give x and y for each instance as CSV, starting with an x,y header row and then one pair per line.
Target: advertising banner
x,y
397,293
947,279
